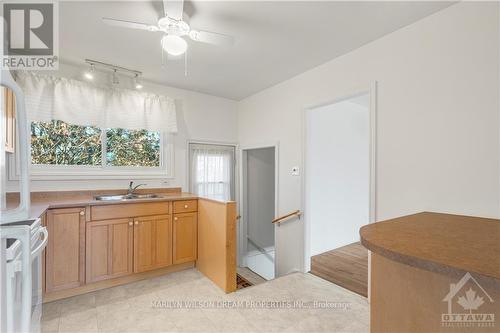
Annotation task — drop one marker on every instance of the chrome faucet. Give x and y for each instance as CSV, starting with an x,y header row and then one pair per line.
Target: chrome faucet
x,y
131,188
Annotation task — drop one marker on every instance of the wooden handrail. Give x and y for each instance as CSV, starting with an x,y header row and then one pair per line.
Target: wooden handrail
x,y
284,217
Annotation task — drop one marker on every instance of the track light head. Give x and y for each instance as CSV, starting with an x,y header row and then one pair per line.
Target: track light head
x,y
89,75
137,83
115,77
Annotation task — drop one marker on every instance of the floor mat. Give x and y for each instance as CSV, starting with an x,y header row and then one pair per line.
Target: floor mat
x,y
241,282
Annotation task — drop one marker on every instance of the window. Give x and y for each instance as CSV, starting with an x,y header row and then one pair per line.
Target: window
x,y
132,148
212,170
66,148
59,143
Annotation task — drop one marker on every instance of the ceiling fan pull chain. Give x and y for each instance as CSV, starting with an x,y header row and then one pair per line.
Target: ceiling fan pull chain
x,y
162,58
185,64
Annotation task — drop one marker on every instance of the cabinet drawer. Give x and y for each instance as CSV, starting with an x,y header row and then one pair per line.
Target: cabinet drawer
x,y
185,206
106,212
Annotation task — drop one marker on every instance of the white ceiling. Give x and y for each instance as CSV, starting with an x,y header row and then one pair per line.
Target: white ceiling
x,y
274,40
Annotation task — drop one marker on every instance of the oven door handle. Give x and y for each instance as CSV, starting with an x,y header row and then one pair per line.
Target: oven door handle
x,y
39,249
23,234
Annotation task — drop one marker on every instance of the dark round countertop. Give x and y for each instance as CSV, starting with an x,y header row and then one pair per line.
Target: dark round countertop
x,y
443,243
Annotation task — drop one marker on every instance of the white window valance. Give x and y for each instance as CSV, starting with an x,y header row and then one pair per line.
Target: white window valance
x,y
80,103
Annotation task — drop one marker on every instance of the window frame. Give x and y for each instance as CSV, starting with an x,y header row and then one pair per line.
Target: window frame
x,y
103,171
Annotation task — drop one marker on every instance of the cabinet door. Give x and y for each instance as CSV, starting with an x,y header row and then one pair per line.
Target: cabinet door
x,y
152,242
109,246
185,231
65,257
10,119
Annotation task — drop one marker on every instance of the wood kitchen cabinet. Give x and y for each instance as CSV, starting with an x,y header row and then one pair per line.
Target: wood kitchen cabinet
x,y
109,249
185,237
152,242
103,245
65,256
9,119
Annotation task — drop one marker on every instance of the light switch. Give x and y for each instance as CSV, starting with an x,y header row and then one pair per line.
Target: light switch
x,y
295,171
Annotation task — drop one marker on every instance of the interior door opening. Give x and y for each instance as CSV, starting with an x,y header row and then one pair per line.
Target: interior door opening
x,y
258,202
338,189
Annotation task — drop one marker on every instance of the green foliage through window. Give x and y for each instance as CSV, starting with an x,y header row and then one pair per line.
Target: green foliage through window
x,y
132,148
60,143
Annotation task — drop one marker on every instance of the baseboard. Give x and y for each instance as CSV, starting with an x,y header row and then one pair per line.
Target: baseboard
x,y
57,295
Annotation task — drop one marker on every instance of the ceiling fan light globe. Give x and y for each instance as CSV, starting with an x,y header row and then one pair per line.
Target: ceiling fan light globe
x,y
174,45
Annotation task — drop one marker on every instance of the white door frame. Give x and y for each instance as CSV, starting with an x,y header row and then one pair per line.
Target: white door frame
x,y
242,198
372,91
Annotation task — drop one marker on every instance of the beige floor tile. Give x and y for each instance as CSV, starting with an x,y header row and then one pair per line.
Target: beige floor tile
x,y
229,320
51,310
79,321
77,303
115,321
110,295
130,308
50,325
192,320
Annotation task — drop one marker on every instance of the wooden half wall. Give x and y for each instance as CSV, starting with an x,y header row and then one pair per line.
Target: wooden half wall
x,y
217,242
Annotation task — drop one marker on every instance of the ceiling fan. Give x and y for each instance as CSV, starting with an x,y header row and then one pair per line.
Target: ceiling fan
x,y
174,26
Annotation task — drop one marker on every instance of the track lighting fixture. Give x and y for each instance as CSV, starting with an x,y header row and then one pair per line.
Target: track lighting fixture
x,y
135,75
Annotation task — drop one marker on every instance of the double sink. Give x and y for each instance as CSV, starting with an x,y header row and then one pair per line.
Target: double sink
x,y
125,197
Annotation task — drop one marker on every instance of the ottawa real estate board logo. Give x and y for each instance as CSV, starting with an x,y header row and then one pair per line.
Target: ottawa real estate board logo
x,y
469,305
29,35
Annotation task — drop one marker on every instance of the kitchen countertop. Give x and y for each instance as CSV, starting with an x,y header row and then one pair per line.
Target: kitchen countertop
x,y
39,207
442,243
42,201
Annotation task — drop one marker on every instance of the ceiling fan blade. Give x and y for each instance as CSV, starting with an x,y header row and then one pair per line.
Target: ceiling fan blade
x,y
173,8
129,24
211,38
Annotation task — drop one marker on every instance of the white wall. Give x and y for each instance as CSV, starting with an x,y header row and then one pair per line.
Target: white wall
x,y
438,118
199,117
337,172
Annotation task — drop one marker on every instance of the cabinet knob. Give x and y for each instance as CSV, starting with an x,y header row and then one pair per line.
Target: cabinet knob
x,y
82,213
185,206
130,223
176,218
136,222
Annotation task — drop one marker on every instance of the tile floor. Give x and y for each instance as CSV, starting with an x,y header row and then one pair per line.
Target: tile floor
x,y
131,308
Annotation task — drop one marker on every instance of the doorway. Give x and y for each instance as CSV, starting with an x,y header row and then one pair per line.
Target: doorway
x,y
258,209
339,188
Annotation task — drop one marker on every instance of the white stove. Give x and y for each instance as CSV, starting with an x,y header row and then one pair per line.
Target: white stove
x,y
21,240
22,244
